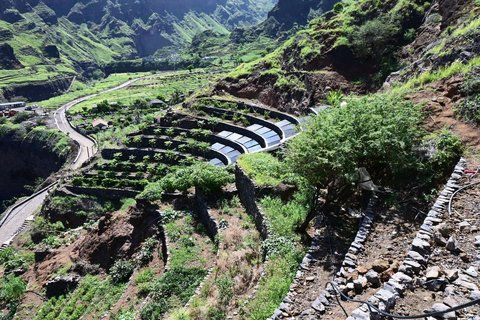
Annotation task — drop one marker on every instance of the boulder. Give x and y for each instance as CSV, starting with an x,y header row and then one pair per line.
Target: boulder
x,y
380,265
8,60
440,307
451,275
373,278
60,286
51,51
433,273
452,245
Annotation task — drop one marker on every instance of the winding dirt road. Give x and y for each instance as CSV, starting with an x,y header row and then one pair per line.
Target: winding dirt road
x,y
16,216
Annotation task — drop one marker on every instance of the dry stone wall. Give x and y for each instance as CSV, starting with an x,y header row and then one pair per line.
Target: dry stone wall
x,y
416,259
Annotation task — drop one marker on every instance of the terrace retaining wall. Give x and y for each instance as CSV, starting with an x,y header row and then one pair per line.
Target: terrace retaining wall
x,y
201,210
110,194
247,192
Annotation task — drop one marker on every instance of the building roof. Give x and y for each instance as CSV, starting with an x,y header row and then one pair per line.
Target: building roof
x,y
157,101
99,122
9,104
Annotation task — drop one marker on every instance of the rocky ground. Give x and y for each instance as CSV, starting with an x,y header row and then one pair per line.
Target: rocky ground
x,y
451,277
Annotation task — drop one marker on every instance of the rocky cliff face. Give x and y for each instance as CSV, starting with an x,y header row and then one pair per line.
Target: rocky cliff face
x,y
8,60
38,90
288,13
24,162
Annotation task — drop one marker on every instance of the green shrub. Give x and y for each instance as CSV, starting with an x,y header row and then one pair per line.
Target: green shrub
x,y
175,286
121,271
11,259
273,287
379,132
145,254
374,37
202,175
143,281
12,288
448,149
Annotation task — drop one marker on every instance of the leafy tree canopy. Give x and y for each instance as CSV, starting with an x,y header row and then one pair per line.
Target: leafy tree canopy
x,y
378,132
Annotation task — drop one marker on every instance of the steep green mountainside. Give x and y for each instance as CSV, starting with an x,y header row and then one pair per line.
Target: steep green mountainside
x,y
50,38
357,46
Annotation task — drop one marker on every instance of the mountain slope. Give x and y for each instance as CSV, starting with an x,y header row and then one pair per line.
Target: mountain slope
x,y
356,47
53,37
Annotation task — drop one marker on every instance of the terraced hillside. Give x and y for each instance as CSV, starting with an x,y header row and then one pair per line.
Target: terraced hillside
x,y
291,187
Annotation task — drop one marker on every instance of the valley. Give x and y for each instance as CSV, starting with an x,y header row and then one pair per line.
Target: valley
x,y
239,159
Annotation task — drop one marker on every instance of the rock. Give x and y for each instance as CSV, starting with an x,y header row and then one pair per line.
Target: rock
x,y
318,306
421,246
436,285
358,286
443,229
477,241
41,254
451,275
472,271
373,278
416,267
475,295
350,286
465,257
452,245
433,273
466,284
362,269
380,265
51,51
440,307
60,286
310,279
464,225
449,290
416,256
450,301
439,239
387,297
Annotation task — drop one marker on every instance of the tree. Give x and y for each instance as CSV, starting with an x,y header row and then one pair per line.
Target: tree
x,y
375,37
378,132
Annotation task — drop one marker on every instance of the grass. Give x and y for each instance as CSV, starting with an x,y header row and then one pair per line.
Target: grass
x,y
263,168
273,287
161,84
456,67
186,270
80,89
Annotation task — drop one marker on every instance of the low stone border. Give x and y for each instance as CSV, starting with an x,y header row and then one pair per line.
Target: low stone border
x,y
417,257
349,264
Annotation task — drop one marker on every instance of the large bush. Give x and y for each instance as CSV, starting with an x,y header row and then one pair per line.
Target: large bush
x,y
379,132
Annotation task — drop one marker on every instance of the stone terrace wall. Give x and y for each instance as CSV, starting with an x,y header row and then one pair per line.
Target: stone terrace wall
x,y
110,194
417,257
247,193
201,210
